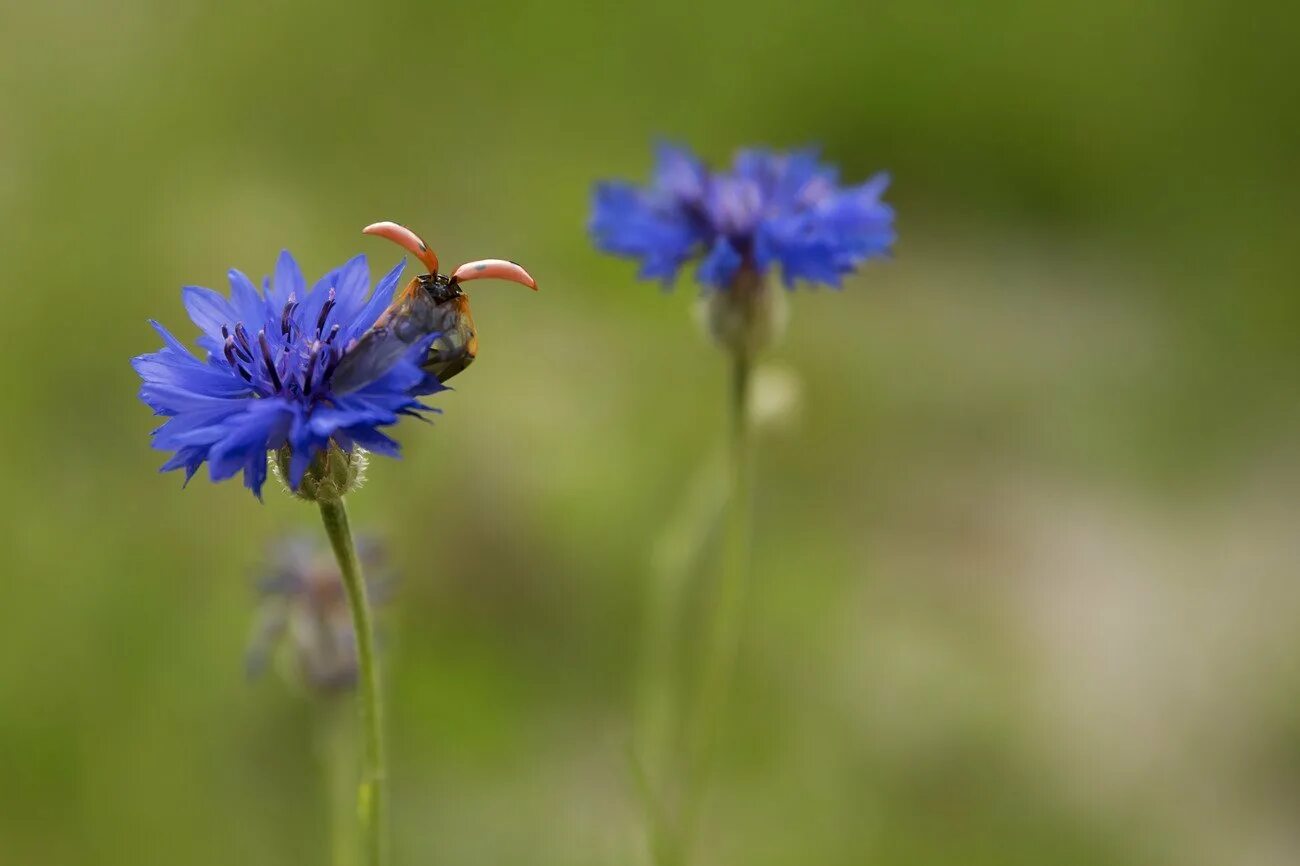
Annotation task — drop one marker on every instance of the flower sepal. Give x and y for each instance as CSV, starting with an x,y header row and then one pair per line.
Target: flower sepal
x,y
745,318
332,474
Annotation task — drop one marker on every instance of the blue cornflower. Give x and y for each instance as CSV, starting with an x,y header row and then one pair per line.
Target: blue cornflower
x,y
266,381
305,605
770,209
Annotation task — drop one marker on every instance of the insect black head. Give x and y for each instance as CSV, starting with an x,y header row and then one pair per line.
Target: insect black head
x,y
440,287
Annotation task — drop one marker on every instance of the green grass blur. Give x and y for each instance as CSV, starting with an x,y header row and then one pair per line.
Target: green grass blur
x,y
1026,583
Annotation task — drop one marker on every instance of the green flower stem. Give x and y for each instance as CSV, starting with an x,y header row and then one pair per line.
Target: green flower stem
x,y
676,555
335,747
723,624
370,791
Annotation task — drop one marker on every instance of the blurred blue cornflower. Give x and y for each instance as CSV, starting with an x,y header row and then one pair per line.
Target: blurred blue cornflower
x,y
266,381
306,604
769,209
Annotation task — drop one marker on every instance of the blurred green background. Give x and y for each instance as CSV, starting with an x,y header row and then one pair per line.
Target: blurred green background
x,y
1026,573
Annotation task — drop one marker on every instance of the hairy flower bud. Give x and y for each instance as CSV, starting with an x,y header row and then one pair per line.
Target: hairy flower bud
x,y
745,318
331,475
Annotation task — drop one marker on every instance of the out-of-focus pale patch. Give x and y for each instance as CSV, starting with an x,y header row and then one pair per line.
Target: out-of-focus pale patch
x,y
1162,638
1156,643
776,397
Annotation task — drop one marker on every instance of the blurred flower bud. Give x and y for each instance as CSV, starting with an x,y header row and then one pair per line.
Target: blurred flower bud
x,y
331,474
305,610
746,317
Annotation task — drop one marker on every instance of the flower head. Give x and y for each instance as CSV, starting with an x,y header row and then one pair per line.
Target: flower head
x,y
305,603
266,381
770,209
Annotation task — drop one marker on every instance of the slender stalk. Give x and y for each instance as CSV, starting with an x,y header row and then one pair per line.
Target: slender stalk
x,y
653,749
337,753
722,638
370,790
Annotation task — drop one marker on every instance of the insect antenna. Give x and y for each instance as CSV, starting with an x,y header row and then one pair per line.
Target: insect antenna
x,y
407,239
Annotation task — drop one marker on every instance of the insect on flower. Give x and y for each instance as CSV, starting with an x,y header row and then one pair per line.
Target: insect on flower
x,y
265,378
431,303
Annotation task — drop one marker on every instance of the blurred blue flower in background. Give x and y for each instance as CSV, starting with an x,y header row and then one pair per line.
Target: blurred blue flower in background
x,y
770,209
266,381
305,608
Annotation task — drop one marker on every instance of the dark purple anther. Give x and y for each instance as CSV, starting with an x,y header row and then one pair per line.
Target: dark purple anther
x,y
335,357
242,344
267,361
229,351
325,312
286,317
334,332
311,367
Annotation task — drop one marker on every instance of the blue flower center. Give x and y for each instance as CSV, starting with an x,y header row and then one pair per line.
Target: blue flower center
x,y
296,362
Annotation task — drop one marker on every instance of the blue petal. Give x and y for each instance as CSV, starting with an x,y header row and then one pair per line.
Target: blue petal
x,y
190,459
170,399
174,366
803,181
352,282
249,306
208,310
720,265
162,369
375,357
822,243
757,165
348,284
170,342
199,428
302,447
679,173
379,301
250,434
373,440
874,188
627,222
255,473
288,281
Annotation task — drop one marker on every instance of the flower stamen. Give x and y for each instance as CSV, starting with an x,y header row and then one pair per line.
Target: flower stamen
x,y
325,312
242,344
311,368
267,360
229,350
286,316
335,357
